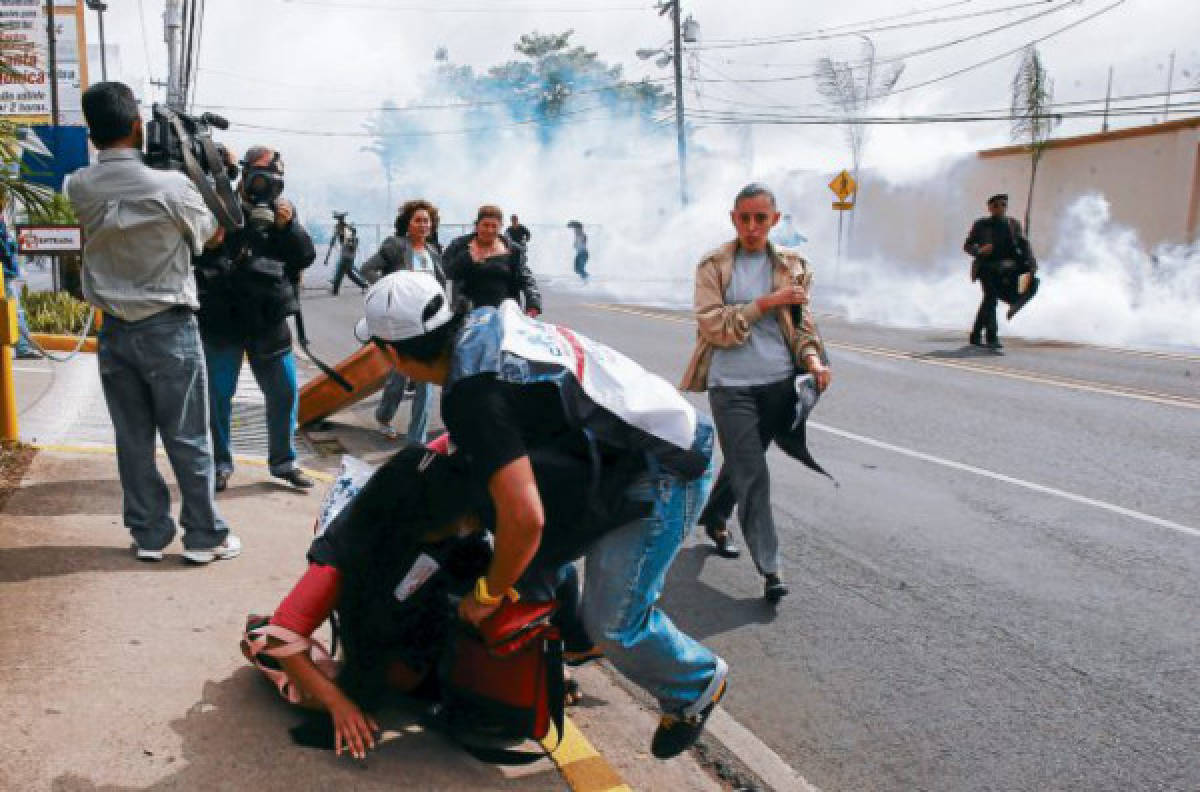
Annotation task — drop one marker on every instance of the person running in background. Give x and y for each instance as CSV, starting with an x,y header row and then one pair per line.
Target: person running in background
x,y
345,264
410,249
518,233
487,268
581,251
12,271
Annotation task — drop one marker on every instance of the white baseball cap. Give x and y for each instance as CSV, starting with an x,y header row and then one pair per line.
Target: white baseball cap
x,y
403,305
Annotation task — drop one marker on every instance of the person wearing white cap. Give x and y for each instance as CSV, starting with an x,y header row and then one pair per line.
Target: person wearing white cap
x,y
510,384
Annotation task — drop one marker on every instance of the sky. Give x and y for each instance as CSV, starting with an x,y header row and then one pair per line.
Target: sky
x,y
303,75
327,62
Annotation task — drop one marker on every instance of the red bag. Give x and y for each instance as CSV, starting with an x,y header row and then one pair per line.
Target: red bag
x,y
504,680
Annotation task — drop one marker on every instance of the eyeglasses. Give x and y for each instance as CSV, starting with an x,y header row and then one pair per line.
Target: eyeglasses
x,y
761,218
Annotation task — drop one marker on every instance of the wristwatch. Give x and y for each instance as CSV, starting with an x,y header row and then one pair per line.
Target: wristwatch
x,y
485,597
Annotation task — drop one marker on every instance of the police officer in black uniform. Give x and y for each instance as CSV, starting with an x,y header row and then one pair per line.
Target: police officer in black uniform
x,y
1002,254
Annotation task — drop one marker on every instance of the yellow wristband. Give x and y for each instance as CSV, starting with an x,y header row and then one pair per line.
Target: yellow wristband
x,y
484,597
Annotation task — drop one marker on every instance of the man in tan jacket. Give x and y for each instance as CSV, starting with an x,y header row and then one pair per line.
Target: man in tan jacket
x,y
754,333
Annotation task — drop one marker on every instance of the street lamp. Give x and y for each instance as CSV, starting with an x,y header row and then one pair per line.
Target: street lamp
x,y
100,7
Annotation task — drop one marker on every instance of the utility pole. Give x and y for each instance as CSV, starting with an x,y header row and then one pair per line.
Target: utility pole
x,y
173,23
1107,99
1170,75
677,32
52,63
100,7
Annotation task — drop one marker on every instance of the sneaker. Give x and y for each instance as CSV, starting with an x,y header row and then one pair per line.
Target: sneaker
x,y
721,537
142,554
995,344
221,480
975,340
774,589
230,548
677,733
388,431
296,478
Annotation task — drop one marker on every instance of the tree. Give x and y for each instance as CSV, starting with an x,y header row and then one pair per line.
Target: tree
x,y
1032,96
851,89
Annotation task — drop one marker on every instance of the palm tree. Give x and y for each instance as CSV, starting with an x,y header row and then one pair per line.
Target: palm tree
x,y
1032,96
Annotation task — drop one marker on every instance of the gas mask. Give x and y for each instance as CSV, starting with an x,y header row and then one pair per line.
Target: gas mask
x,y
261,187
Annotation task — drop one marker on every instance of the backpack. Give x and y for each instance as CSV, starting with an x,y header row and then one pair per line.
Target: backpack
x,y
503,682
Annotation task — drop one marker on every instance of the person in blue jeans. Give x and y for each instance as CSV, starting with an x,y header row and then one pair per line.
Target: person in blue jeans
x,y
512,384
142,227
410,249
248,288
12,271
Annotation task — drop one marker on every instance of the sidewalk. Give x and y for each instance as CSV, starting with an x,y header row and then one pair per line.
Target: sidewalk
x,y
116,674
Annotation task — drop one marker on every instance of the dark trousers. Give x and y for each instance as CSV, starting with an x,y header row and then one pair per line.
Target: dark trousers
x,y
581,260
985,317
345,269
748,419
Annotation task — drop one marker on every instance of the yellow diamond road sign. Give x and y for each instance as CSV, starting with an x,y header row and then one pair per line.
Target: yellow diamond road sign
x,y
843,185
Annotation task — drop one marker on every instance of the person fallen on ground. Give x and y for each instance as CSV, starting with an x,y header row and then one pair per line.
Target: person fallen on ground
x,y
408,250
1000,255
518,233
511,386
754,333
141,229
347,253
419,511
580,243
487,269
248,287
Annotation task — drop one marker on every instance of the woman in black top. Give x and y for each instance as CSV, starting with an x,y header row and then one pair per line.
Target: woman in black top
x,y
488,269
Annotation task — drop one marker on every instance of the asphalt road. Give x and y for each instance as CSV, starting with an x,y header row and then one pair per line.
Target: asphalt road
x,y
1003,592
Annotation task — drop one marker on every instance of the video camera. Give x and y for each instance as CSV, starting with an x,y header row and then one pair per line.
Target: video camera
x,y
176,141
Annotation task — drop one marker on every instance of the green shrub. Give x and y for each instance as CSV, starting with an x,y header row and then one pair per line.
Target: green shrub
x,y
55,312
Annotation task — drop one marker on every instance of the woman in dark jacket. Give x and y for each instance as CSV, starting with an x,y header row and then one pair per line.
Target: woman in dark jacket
x,y
412,249
487,268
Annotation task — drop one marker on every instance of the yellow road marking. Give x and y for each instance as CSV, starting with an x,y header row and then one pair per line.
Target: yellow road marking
x,y
100,448
1011,373
581,765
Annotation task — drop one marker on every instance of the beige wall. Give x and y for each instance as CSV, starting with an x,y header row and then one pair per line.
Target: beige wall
x,y
1152,182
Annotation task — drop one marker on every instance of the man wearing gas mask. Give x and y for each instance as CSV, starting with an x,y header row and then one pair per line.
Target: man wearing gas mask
x,y
248,287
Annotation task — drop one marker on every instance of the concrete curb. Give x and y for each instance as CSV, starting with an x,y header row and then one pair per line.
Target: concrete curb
x,y
54,342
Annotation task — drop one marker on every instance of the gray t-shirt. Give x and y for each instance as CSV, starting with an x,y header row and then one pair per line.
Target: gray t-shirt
x,y
765,357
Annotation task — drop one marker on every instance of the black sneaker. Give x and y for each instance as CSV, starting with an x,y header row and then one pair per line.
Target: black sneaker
x,y
296,478
720,537
975,340
677,733
221,480
774,589
995,344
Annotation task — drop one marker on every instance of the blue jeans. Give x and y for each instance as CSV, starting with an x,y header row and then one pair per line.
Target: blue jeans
x,y
393,394
23,347
276,377
623,577
154,379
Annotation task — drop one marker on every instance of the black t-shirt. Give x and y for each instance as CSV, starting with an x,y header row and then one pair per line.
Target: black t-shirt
x,y
495,422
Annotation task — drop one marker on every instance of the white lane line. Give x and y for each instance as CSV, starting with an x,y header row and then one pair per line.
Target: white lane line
x,y
1030,485
33,370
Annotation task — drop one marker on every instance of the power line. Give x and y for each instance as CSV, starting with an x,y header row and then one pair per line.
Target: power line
x,y
930,49
438,9
421,107
424,133
821,36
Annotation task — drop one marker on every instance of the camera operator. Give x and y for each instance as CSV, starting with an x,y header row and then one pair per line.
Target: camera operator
x,y
248,288
142,228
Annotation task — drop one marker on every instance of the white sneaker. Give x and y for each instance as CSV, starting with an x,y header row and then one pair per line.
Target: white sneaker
x,y
142,554
230,548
